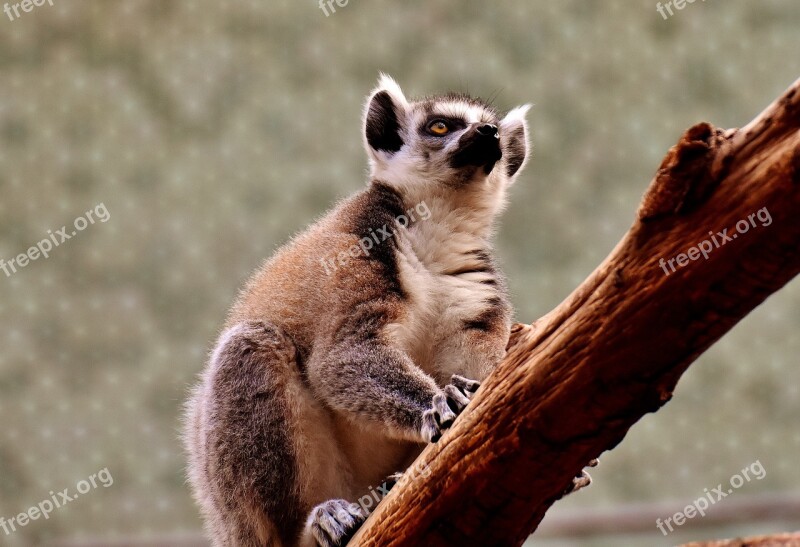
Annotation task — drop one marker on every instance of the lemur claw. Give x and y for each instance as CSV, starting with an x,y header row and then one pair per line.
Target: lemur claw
x,y
392,480
335,522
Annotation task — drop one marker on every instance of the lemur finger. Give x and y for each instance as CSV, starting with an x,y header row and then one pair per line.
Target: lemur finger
x,y
444,414
465,384
344,517
594,462
325,528
580,481
456,397
335,521
430,429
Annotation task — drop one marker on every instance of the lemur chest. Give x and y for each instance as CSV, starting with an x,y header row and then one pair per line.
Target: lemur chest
x,y
448,284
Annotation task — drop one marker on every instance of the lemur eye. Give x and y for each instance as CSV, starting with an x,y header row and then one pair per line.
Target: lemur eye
x,y
439,127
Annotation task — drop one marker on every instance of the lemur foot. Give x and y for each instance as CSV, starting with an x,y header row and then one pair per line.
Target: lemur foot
x,y
447,406
582,480
335,522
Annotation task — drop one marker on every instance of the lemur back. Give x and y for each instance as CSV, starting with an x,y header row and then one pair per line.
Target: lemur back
x,y
364,337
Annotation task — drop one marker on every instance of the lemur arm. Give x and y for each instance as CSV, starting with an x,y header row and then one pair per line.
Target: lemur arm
x,y
373,382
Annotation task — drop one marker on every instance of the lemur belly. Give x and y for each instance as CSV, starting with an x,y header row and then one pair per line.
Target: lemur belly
x,y
371,456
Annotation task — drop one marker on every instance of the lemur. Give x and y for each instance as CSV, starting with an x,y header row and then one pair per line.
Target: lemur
x,y
325,380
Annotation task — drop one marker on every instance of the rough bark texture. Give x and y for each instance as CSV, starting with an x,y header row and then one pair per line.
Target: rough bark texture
x,y
574,382
780,540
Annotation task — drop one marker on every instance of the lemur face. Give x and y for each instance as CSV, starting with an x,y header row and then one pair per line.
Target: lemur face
x,y
449,140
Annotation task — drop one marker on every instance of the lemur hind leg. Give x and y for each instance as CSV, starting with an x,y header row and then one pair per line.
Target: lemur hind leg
x,y
243,466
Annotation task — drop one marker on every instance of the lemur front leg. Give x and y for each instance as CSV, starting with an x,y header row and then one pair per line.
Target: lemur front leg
x,y
377,384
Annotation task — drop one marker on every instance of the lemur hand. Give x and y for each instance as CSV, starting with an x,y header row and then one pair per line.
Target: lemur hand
x,y
447,406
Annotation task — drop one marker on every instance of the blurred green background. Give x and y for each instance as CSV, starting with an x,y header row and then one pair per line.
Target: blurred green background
x,y
214,130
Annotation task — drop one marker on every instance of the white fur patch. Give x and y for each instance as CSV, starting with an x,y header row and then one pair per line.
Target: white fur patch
x,y
439,303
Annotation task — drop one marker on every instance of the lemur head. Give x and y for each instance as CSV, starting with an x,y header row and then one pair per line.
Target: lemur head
x,y
442,144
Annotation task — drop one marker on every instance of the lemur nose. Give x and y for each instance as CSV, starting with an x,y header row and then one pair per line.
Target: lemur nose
x,y
487,130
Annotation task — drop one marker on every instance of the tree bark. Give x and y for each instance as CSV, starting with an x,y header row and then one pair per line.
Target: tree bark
x,y
780,540
575,381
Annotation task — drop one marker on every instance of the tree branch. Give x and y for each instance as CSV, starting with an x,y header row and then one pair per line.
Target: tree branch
x,y
574,382
781,540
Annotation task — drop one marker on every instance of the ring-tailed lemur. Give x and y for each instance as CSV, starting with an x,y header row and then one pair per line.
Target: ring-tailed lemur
x,y
327,379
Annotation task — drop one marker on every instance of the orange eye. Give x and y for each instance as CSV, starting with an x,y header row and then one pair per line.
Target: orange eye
x,y
439,127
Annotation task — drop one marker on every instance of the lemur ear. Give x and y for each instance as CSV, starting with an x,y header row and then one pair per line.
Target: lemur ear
x,y
383,118
514,134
